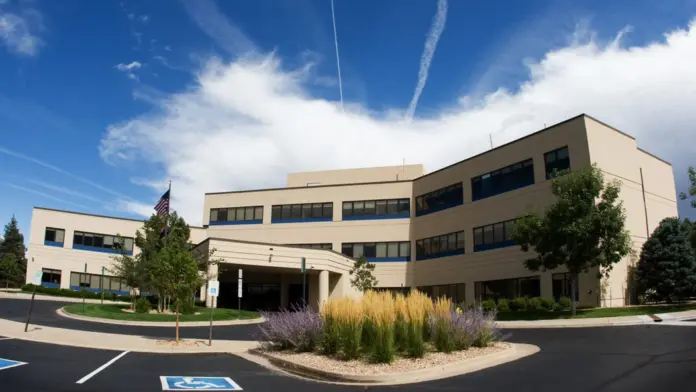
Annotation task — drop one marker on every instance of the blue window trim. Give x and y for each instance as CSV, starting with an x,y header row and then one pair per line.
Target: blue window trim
x,y
442,254
244,222
50,285
386,259
497,245
377,217
53,243
98,291
101,250
441,207
302,220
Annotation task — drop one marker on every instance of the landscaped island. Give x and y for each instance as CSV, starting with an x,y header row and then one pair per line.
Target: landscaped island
x,y
122,312
379,332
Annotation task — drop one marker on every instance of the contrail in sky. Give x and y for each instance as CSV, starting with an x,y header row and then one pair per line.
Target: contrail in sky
x,y
338,61
431,40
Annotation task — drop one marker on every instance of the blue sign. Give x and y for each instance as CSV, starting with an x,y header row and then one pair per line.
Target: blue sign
x,y
176,383
6,364
213,292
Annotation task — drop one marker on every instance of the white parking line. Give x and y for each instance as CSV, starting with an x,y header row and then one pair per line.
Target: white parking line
x,y
102,367
6,338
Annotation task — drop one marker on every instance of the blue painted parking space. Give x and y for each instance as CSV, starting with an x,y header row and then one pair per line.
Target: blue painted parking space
x,y
8,363
178,383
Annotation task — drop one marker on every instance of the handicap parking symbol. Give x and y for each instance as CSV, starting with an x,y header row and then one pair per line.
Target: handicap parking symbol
x,y
177,383
8,363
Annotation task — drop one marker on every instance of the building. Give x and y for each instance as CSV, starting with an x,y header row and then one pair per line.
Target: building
x,y
445,232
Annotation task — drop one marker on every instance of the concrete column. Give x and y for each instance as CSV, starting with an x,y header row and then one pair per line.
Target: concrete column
x,y
203,293
546,285
284,291
323,287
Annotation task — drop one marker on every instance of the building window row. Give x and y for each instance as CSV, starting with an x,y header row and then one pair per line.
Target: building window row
x,y
94,283
50,278
378,251
440,199
294,213
102,243
517,175
456,292
236,215
325,246
440,246
376,209
508,288
496,235
556,161
54,237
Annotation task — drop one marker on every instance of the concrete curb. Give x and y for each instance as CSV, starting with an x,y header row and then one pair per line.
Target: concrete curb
x,y
514,352
61,312
46,297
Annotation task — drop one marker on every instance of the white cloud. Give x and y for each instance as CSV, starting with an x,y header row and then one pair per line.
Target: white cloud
x,y
19,31
63,190
129,68
247,123
46,195
206,15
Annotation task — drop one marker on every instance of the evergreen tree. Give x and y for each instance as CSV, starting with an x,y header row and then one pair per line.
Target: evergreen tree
x,y
666,268
12,254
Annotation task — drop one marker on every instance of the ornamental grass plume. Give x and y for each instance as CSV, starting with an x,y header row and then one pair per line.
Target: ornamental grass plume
x,y
368,301
349,320
441,325
382,316
417,308
402,322
331,335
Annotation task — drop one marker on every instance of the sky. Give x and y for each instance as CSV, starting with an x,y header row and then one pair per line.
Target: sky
x,y
102,103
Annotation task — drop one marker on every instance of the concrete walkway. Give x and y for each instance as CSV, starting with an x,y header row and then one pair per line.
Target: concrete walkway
x,y
598,322
45,297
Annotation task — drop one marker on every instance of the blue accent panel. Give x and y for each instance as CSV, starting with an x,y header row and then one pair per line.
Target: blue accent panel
x,y
244,222
53,243
376,217
442,254
302,220
504,244
386,259
98,291
50,285
101,250
439,208
494,192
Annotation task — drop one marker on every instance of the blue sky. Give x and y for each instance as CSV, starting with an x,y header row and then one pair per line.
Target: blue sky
x,y
103,102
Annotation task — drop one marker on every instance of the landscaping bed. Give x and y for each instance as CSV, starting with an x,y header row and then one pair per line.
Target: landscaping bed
x,y
58,292
379,333
118,312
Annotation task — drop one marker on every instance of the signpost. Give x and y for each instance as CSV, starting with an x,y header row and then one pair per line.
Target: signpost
x,y
36,282
213,291
102,285
303,268
239,294
83,290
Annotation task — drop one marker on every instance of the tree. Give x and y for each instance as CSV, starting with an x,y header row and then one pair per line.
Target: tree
x,y
12,250
127,268
667,267
10,270
583,229
364,280
691,192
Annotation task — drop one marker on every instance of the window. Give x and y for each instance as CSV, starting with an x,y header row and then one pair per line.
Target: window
x,y
378,251
376,209
456,292
102,243
503,180
50,277
556,162
308,212
326,246
508,288
54,237
237,215
95,282
561,286
440,246
440,199
496,235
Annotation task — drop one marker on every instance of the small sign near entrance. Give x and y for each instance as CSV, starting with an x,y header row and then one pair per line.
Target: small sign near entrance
x,y
174,383
37,278
213,288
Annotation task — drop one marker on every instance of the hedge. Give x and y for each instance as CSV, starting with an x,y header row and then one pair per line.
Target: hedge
x,y
74,294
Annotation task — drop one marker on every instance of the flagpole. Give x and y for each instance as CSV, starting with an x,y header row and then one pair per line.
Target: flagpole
x,y
169,206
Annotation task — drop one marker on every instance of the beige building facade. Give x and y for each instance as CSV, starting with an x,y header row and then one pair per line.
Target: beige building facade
x,y
445,232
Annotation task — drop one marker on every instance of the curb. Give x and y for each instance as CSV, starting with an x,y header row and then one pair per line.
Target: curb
x,y
61,312
513,352
45,297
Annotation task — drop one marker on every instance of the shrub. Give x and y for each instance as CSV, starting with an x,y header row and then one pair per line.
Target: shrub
x,y
641,300
348,319
187,307
299,329
503,305
534,303
488,304
142,305
473,327
417,306
401,325
441,324
380,311
518,303
330,334
547,303
199,303
564,303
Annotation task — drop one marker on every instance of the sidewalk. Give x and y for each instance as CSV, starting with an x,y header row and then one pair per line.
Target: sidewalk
x,y
46,297
105,341
597,322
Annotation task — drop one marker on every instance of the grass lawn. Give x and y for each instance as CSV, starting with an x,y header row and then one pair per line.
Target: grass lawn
x,y
593,313
114,312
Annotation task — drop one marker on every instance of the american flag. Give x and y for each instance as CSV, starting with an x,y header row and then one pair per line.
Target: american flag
x,y
162,206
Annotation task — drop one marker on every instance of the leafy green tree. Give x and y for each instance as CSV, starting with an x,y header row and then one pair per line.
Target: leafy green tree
x,y
583,229
10,270
362,270
127,268
12,250
691,192
666,267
